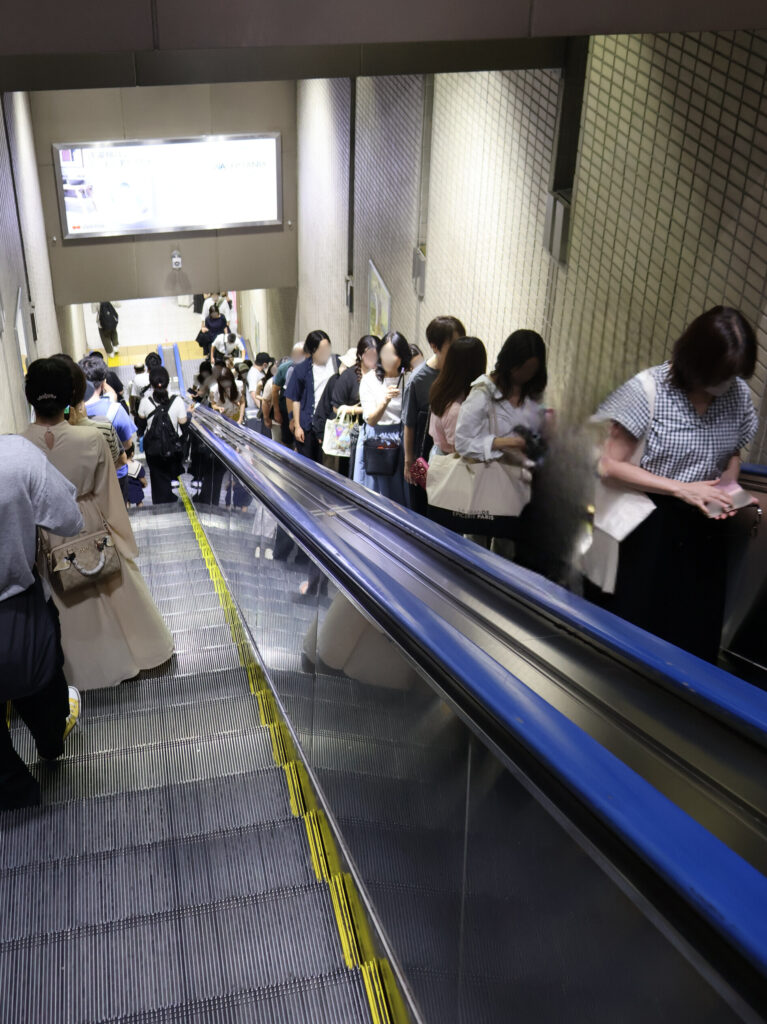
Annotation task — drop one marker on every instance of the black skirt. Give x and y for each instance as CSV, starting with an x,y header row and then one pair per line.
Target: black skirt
x,y
672,576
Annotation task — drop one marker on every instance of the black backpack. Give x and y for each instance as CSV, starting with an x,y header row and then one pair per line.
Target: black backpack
x,y
160,437
107,317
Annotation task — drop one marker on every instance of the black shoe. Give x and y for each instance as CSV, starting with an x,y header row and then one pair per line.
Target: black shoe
x,y
26,793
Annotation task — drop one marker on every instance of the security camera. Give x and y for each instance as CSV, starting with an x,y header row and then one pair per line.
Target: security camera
x,y
175,260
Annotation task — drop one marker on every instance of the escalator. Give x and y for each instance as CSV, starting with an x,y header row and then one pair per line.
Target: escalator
x,y
432,788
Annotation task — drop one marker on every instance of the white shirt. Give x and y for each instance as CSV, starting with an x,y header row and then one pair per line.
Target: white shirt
x,y
176,410
222,344
321,375
223,307
254,377
373,393
482,419
140,381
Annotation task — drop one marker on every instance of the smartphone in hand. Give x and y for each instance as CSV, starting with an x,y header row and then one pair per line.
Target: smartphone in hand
x,y
737,497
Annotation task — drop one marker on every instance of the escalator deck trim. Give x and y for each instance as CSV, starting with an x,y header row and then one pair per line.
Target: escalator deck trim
x,y
384,999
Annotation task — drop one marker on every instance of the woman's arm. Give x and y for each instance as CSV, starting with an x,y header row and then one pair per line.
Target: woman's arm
x,y
614,465
473,438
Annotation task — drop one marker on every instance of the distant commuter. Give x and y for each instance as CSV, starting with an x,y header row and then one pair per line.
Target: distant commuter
x,y
379,457
440,334
139,386
280,413
165,418
228,345
690,419
34,494
110,628
107,320
100,404
213,325
305,390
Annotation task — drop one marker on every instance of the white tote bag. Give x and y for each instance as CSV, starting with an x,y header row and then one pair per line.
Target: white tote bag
x,y
474,488
618,511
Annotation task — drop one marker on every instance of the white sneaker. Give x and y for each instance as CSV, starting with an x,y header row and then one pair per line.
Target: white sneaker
x,y
74,710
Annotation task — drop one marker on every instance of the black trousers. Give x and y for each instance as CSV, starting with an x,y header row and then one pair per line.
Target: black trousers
x,y
162,473
108,340
310,447
44,713
672,577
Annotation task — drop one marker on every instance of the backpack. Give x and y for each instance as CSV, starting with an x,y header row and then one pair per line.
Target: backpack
x,y
160,437
107,317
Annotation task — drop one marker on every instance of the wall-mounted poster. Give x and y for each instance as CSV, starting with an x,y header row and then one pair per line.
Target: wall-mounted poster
x,y
379,303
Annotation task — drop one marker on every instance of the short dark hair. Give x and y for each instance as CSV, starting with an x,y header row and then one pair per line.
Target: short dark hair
x,y
442,329
401,347
466,359
79,380
94,368
515,351
718,344
231,338
48,387
152,359
313,339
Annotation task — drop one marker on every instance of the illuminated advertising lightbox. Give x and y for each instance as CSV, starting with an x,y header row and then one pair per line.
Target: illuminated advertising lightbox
x,y
141,187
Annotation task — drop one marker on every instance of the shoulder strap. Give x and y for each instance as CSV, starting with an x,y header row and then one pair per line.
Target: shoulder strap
x,y
647,380
112,411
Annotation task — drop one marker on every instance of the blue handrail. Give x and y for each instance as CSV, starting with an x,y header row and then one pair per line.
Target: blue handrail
x,y
160,353
695,680
179,371
754,469
723,888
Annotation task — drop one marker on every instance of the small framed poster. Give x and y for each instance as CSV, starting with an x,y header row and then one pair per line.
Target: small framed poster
x,y
379,303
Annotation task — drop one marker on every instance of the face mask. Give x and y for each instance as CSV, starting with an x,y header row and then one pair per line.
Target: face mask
x,y
717,390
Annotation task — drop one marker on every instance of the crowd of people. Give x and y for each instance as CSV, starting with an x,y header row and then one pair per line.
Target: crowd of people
x,y
457,441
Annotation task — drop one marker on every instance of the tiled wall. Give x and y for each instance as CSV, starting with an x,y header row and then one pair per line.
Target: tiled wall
x,y
323,187
490,165
670,213
387,182
13,408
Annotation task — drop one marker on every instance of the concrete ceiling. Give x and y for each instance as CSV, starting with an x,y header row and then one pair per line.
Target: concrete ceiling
x,y
88,43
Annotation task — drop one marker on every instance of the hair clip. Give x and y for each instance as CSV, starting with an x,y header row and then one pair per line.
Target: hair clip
x,y
42,398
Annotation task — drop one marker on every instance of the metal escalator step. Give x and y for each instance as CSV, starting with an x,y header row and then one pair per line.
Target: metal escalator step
x,y
142,694
178,811
155,727
110,887
330,999
170,958
151,767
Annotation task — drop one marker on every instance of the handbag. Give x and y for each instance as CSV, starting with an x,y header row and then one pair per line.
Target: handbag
x,y
82,560
337,439
204,338
618,511
380,455
419,470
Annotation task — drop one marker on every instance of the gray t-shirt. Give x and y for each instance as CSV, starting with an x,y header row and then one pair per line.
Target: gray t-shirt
x,y
33,493
415,407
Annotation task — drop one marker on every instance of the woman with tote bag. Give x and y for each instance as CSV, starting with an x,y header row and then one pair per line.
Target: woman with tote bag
x,y
488,480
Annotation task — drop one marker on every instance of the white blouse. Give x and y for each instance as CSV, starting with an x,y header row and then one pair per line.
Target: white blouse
x,y
373,393
482,419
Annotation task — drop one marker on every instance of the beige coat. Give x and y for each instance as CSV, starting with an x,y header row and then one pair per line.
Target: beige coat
x,y
110,630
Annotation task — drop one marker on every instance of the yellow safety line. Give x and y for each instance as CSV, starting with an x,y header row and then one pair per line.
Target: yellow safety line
x,y
381,989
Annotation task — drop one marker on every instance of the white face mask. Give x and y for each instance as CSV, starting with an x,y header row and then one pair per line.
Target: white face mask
x,y
717,390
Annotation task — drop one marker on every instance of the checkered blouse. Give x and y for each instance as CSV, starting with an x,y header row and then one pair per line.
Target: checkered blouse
x,y
681,444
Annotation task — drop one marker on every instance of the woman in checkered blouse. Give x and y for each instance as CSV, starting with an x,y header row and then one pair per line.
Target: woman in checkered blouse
x,y
672,568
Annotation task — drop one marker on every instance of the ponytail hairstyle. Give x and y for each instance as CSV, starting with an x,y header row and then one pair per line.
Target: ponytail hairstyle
x,y
366,342
401,347
159,381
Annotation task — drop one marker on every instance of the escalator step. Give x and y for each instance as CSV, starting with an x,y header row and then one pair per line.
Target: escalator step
x,y
108,823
